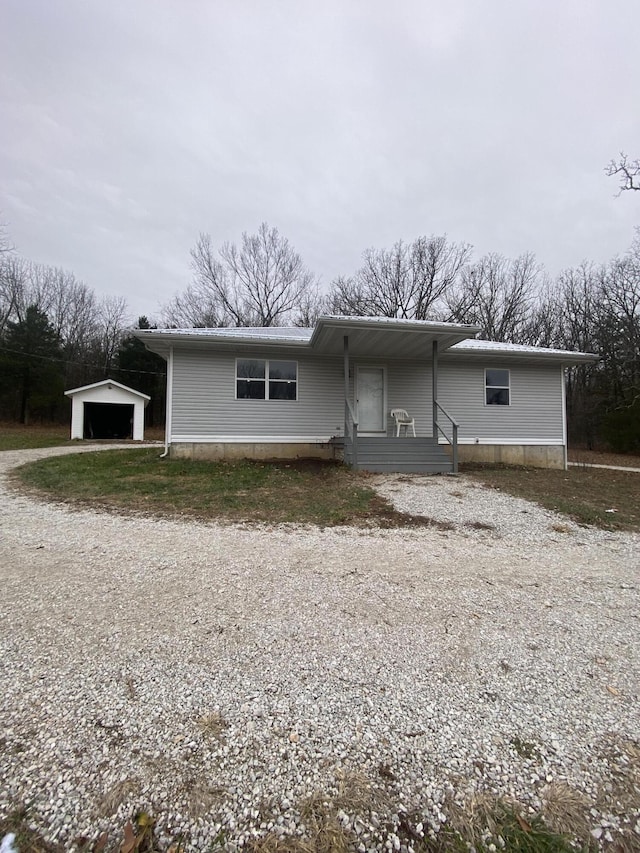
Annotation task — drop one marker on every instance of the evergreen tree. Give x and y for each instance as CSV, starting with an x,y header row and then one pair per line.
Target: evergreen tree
x,y
32,365
145,371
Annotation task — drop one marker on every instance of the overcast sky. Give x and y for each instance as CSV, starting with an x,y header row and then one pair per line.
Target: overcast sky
x,y
127,127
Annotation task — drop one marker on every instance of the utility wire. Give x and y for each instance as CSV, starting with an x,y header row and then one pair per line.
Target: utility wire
x,y
77,363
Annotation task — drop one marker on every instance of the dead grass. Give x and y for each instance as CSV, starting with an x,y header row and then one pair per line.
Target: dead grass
x,y
20,437
471,818
116,795
623,759
481,820
354,795
590,496
203,798
565,810
581,456
15,436
27,840
213,725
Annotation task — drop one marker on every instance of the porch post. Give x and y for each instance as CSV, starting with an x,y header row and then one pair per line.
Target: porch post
x,y
350,425
434,386
346,368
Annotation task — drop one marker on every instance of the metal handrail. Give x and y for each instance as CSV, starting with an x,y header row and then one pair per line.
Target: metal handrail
x,y
453,441
351,431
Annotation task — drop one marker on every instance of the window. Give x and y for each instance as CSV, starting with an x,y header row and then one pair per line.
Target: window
x,y
262,379
497,387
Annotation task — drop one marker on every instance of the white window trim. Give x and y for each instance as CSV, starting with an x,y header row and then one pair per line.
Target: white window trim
x,y
497,387
266,380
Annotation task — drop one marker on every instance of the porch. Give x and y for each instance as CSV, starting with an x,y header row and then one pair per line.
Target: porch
x,y
393,455
369,441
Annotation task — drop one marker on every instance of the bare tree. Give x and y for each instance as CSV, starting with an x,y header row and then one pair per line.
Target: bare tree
x,y
348,296
112,321
627,170
497,294
262,282
541,326
196,308
407,281
5,244
310,307
14,281
72,309
619,298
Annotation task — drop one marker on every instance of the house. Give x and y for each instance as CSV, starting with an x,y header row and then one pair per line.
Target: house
x,y
328,392
107,409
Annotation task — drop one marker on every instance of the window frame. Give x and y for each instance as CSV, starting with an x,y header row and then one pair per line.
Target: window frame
x,y
266,380
506,388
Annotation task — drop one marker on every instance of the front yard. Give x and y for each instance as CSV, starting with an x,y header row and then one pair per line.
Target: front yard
x,y
311,688
599,497
309,492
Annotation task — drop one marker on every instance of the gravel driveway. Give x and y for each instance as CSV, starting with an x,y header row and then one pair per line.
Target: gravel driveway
x,y
219,675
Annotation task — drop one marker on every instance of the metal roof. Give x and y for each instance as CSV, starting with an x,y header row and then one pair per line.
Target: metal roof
x,y
386,336
473,346
376,337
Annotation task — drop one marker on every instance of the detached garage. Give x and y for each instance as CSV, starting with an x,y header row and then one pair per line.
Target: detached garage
x,y
107,409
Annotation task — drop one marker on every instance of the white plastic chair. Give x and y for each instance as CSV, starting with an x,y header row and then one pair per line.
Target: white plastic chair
x,y
402,419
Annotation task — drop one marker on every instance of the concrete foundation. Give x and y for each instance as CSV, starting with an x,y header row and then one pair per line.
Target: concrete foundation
x,y
230,451
532,455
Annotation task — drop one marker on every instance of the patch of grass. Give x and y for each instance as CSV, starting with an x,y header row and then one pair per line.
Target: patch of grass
x,y
584,494
528,835
481,822
213,725
20,437
303,491
524,748
486,824
566,810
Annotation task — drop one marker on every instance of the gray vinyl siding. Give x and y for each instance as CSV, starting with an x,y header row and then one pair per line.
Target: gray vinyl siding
x,y
535,413
408,387
205,405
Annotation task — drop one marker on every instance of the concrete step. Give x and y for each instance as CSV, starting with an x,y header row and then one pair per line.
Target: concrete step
x,y
381,456
406,467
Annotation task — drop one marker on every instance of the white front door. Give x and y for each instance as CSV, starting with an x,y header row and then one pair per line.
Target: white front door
x,y
371,399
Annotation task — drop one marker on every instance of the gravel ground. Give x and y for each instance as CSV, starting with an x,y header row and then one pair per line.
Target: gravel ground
x,y
220,675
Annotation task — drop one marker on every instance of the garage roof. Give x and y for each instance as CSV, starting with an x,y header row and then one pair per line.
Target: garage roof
x,y
109,383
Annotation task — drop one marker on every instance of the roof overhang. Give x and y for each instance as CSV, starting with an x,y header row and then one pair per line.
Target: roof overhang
x,y
109,383
385,337
474,350
160,341
368,337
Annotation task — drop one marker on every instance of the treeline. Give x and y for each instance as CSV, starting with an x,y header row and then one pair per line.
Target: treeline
x,y
591,308
56,334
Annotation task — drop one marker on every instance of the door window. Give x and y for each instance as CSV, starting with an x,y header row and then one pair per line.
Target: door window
x,y
371,414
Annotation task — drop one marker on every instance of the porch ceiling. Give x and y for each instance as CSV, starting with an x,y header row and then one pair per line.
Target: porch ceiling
x,y
386,338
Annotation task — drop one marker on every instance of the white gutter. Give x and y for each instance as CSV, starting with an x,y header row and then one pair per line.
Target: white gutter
x,y
563,375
